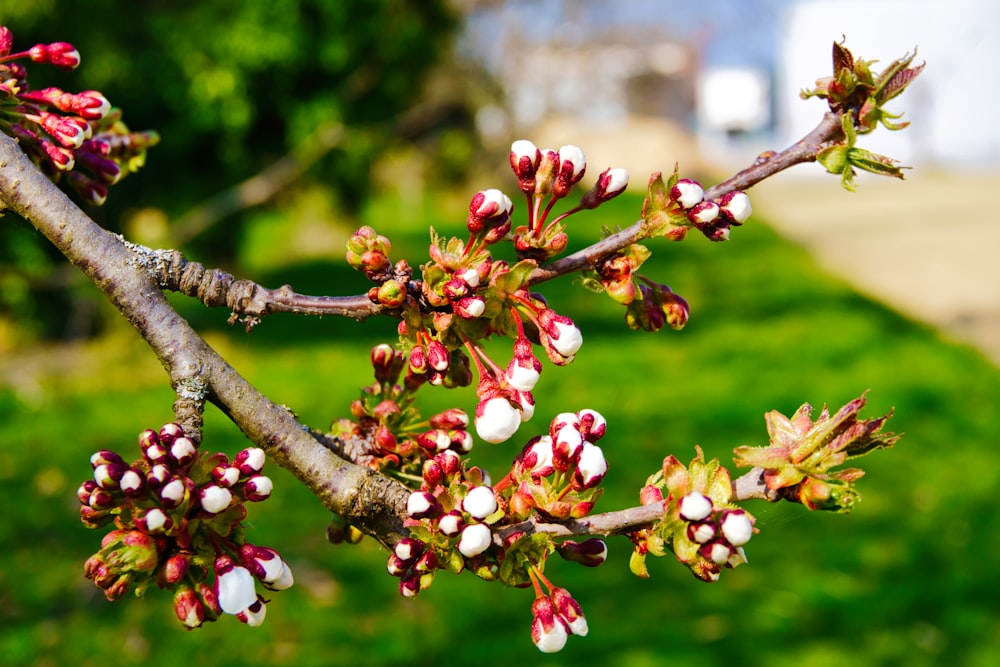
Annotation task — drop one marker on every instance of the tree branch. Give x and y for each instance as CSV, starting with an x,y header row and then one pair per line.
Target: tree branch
x,y
804,150
367,499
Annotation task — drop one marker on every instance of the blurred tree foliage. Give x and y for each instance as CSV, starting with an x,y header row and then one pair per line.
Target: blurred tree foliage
x,y
232,87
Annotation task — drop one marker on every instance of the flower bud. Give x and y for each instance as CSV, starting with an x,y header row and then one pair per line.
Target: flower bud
x,y
470,307
558,333
258,488
154,522
610,184
188,607
703,213
524,160
488,208
480,502
572,165
183,451
549,631
451,524
173,493
391,293
592,466
476,538
60,54
593,426
214,498
567,445
536,457
109,475
718,552
453,418
225,475
695,506
687,192
570,611
170,432
737,527
496,419
174,569
450,462
105,456
250,461
409,549
589,553
735,207
253,615
234,585
701,531
421,504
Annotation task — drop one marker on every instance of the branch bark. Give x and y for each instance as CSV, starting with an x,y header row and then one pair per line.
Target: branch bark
x,y
369,500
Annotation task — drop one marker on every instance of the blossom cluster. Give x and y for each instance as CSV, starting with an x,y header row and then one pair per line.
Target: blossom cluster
x,y
78,135
177,516
465,294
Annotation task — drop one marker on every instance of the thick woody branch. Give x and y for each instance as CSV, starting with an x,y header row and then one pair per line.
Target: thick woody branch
x,y
371,501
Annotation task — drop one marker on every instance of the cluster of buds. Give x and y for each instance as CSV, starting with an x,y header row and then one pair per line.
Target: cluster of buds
x,y
700,525
450,521
657,306
554,617
557,475
673,207
551,175
177,517
76,134
385,431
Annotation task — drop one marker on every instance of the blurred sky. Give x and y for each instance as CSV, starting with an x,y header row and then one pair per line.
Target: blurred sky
x,y
952,104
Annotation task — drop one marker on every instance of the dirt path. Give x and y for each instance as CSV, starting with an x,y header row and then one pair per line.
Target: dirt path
x,y
929,247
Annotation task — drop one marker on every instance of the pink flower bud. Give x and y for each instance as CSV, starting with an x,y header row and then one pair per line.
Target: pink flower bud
x,y
6,40
592,466
558,333
173,493
590,553
396,566
250,461
496,419
409,549
480,502
476,538
567,445
183,451
421,504
175,568
572,165
593,426
84,491
451,524
695,506
470,307
169,433
453,418
703,213
258,488
215,498
438,355
109,475
650,494
610,184
225,475
488,208
69,132
549,631
570,611
537,457
188,607
524,160
701,531
60,54
687,192
89,105
157,476
735,207
105,456
450,462
59,157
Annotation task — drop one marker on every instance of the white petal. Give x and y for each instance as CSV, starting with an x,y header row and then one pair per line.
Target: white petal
x,y
236,590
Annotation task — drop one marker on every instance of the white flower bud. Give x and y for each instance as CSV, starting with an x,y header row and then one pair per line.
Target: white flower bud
x,y
497,420
569,340
236,589
476,538
736,206
214,498
737,528
480,502
687,193
695,506
592,466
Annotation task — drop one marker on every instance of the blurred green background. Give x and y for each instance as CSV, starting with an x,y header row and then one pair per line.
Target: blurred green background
x,y
909,578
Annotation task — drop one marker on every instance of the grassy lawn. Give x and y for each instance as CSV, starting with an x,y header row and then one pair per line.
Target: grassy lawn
x,y
908,578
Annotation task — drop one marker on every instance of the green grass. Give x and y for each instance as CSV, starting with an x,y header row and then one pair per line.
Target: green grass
x,y
908,578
